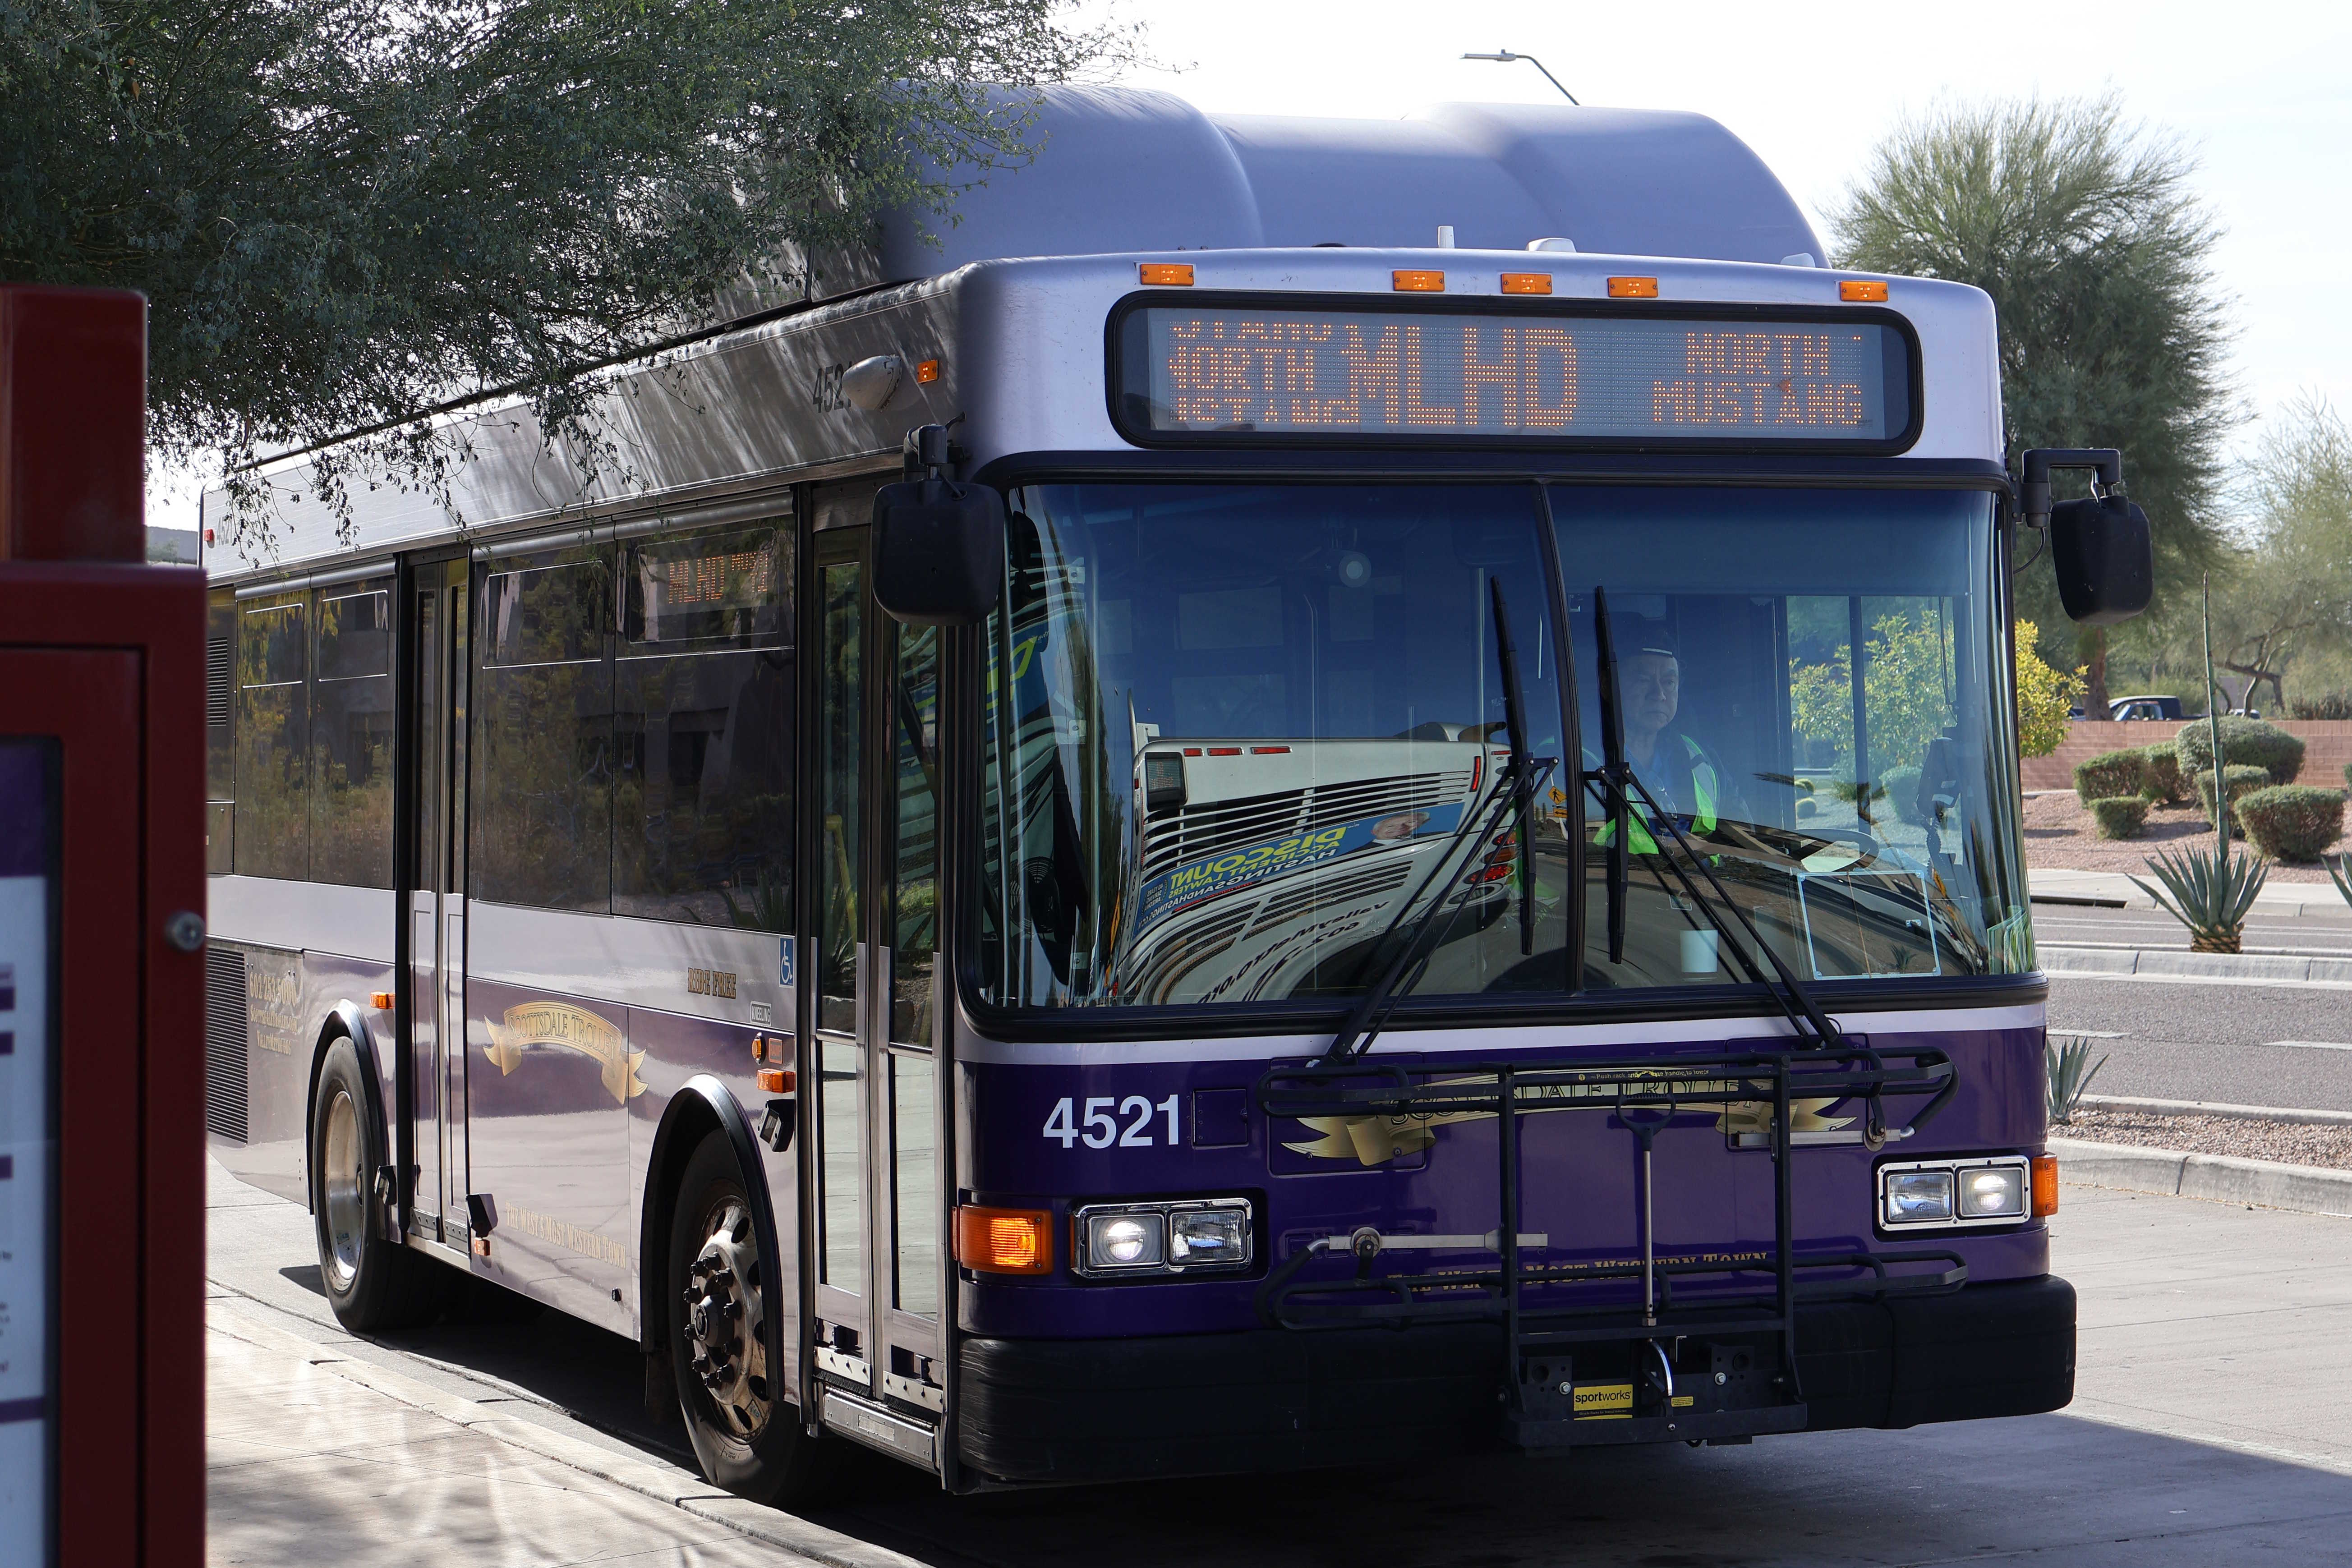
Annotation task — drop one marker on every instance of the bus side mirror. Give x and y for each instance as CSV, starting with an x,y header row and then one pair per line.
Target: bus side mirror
x,y
2105,565
939,545
2100,547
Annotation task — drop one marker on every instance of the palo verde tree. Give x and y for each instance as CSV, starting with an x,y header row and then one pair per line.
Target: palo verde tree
x,y
345,212
2086,234
2287,597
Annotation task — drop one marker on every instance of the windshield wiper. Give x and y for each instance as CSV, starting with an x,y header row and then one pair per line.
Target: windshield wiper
x,y
1615,776
1521,777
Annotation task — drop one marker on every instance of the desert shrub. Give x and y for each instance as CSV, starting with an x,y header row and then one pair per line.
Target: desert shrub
x,y
2241,780
2347,775
2335,705
2110,774
2160,781
2247,741
1902,787
2120,816
2290,822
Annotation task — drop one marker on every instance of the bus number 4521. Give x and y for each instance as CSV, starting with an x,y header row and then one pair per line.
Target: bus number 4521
x,y
1102,1129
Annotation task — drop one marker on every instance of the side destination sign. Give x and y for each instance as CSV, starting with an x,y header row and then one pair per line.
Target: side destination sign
x,y
1188,885
1205,372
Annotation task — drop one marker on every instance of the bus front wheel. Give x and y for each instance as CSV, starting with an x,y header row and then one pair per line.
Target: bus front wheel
x,y
372,1283
747,1437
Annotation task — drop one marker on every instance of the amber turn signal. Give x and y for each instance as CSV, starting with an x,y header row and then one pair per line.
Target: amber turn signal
x,y
1174,274
1004,1241
1414,282
481,1247
379,1000
1632,287
1861,290
1527,283
926,371
776,1080
2045,1185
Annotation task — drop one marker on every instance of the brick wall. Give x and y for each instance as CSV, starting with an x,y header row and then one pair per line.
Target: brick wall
x,y
2327,747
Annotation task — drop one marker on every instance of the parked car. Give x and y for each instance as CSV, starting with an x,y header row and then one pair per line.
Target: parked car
x,y
2152,707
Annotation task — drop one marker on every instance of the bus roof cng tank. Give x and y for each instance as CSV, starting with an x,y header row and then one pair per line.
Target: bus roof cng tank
x,y
1123,169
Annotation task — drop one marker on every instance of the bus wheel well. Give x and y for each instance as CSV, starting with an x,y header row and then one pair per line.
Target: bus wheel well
x,y
689,1118
346,1021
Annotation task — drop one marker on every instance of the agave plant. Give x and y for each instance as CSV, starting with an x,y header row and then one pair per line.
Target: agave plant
x,y
2068,1080
2209,896
2339,871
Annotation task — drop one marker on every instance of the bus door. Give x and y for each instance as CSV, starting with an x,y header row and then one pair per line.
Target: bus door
x,y
875,1174
432,883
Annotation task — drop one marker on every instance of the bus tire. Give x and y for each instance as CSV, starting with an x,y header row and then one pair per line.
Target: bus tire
x,y
372,1284
747,1437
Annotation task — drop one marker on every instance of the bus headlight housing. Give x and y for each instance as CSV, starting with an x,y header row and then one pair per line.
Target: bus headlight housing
x,y
1189,1236
1920,1195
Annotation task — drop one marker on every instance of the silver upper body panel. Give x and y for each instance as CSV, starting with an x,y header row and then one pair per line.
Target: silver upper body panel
x,y
1013,300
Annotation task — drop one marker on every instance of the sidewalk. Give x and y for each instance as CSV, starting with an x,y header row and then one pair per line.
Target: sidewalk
x,y
312,1457
2278,898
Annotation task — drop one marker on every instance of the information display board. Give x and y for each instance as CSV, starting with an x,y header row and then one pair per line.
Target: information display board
x,y
1221,373
27,1149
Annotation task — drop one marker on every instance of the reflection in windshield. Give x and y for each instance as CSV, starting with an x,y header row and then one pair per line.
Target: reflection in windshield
x,y
1858,809
1245,725
1242,724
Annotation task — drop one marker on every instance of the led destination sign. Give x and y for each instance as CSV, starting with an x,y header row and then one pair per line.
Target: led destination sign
x,y
1243,372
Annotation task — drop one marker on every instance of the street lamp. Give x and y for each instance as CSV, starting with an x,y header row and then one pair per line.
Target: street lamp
x,y
1505,57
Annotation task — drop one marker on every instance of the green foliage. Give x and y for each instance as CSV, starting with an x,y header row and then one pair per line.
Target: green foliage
x,y
2248,740
2045,697
2120,816
2339,871
2209,894
2065,1064
2238,778
2287,597
345,212
2290,822
1901,788
2088,237
1905,677
2109,774
2333,705
2160,780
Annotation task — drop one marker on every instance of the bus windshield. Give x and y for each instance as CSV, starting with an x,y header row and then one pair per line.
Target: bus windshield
x,y
1232,731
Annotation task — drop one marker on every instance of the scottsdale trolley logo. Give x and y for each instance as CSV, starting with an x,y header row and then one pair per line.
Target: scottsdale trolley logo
x,y
575,1029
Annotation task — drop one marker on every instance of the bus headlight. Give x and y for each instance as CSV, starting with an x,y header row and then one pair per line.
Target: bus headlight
x,y
1179,1236
1951,1194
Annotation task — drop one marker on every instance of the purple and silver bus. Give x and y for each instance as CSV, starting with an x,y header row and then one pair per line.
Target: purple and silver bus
x,y
1173,832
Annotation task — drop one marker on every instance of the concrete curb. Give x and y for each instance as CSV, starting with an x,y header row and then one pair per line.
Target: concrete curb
x,y
2210,968
2218,1178
647,1477
2217,1108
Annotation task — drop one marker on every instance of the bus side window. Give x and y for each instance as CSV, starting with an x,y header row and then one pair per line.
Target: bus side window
x,y
351,738
273,738
541,811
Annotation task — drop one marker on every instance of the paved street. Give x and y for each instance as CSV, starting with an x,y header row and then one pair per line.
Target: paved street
x,y
2209,1428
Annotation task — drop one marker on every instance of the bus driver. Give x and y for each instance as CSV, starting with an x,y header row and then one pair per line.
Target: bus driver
x,y
1682,775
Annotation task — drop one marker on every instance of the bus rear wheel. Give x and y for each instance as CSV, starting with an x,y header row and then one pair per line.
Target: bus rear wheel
x,y
372,1284
746,1436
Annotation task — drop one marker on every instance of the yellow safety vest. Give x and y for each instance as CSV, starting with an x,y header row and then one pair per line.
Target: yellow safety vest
x,y
1703,790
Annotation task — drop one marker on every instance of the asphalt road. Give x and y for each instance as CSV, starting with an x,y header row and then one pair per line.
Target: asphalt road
x,y
2170,1040
2206,1428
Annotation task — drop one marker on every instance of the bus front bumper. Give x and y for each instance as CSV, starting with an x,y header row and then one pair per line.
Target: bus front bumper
x,y
1099,1410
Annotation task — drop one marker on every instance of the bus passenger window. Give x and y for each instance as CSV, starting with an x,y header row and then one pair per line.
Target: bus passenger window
x,y
703,692
351,740
543,803
273,739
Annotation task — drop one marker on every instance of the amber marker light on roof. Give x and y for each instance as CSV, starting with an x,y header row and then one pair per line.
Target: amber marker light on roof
x,y
1527,283
1178,274
1004,1241
1861,290
1413,282
927,372
1632,287
2045,1185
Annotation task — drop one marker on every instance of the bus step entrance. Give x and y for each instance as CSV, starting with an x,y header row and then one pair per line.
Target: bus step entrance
x,y
1719,1364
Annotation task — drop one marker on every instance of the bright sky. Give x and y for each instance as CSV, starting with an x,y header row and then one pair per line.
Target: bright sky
x,y
2262,96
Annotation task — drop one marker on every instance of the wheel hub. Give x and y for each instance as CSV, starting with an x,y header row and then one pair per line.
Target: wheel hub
x,y
725,1324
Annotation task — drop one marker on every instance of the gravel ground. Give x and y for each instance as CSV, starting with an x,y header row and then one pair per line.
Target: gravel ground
x,y
2290,1141
2061,836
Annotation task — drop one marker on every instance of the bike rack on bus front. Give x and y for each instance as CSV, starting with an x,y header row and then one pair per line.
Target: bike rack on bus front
x,y
1542,1396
